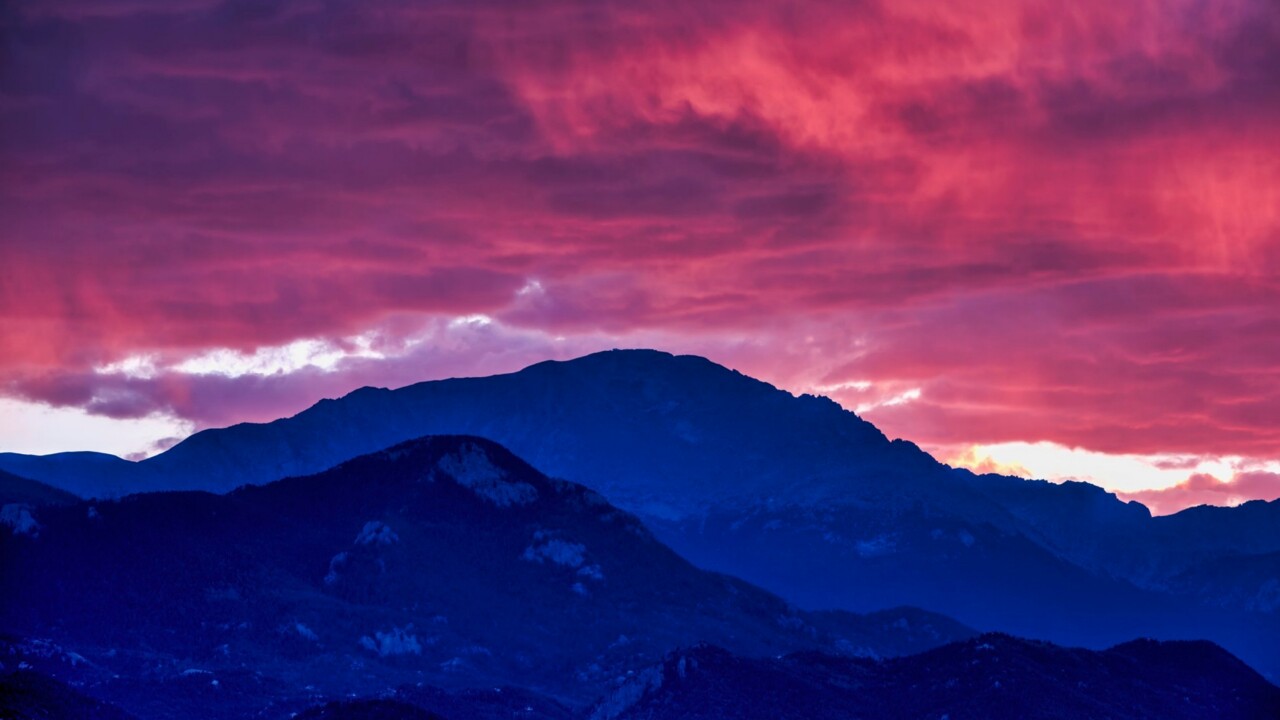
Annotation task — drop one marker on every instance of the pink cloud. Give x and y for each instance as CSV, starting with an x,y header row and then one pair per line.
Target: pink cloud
x,y
1204,489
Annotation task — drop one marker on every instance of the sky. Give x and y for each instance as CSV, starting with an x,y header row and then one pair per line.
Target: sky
x,y
1031,237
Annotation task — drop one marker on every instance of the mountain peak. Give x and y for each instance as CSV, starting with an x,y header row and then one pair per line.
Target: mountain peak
x,y
653,365
482,466
618,355
574,418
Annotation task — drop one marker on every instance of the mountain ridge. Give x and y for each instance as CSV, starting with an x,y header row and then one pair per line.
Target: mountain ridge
x,y
15,489
445,559
992,675
744,478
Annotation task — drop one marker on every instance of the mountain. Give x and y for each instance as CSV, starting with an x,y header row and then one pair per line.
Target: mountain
x,y
19,496
471,704
797,495
85,474
446,561
710,423
27,695
986,677
368,710
20,490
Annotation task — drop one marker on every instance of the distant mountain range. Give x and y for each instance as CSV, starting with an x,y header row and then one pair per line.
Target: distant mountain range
x,y
792,493
992,676
84,474
446,561
20,490
27,694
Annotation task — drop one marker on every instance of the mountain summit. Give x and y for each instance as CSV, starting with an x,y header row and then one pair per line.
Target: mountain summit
x,y
716,434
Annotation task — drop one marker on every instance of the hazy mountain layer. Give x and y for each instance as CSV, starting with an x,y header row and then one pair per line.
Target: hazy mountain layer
x,y
445,561
992,676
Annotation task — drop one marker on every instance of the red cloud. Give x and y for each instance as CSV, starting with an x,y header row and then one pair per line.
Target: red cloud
x,y
1056,225
1203,489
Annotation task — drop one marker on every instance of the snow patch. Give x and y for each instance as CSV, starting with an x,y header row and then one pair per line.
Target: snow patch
x,y
559,552
19,519
1267,599
845,647
335,568
305,632
471,468
625,697
396,641
686,666
377,533
877,546
792,622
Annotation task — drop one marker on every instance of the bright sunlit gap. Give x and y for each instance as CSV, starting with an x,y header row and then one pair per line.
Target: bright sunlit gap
x,y
1123,473
39,429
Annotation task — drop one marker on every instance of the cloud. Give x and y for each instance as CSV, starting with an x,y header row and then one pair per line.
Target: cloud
x,y
974,459
1205,489
1049,226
